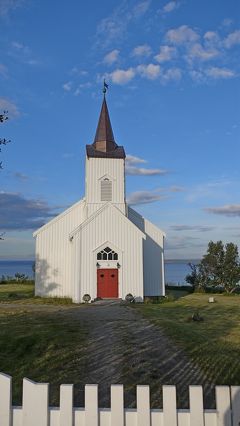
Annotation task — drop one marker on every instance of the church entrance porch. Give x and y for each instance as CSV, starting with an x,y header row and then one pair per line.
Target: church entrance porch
x,y
107,283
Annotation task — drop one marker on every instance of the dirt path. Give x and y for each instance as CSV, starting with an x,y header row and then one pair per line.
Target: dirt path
x,y
123,347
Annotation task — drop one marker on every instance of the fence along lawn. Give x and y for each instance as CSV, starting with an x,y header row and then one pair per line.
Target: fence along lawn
x,y
35,409
213,344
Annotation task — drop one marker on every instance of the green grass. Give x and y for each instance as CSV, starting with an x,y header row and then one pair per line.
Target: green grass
x,y
44,346
24,294
213,344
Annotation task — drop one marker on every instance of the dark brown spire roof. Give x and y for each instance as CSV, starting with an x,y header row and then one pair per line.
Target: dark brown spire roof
x,y
104,144
104,139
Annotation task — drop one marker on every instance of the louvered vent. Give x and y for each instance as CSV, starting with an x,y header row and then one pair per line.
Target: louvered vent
x,y
106,190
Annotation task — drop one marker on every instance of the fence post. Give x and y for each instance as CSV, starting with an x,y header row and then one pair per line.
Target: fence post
x,y
235,400
5,400
143,406
223,406
35,404
66,405
169,406
196,406
117,405
91,405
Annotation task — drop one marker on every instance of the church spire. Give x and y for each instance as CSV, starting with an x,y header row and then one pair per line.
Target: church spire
x,y
104,145
104,139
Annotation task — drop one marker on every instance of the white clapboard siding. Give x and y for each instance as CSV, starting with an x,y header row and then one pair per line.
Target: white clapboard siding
x,y
110,168
53,253
153,255
36,411
111,226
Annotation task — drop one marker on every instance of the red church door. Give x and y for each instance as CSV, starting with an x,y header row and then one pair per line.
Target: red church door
x,y
107,283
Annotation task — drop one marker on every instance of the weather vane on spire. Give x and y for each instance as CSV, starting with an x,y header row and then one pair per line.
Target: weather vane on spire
x,y
105,87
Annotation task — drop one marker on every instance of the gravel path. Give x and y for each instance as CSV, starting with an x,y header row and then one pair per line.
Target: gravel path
x,y
123,347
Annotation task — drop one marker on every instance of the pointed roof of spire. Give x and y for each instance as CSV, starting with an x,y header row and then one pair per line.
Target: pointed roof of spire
x,y
104,139
104,144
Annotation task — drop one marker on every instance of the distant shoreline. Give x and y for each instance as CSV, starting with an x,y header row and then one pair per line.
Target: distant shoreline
x,y
182,260
166,260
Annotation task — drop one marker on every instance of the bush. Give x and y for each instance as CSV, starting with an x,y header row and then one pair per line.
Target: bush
x,y
156,300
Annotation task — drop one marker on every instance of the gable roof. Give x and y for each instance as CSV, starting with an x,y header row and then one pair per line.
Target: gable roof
x,y
142,219
58,217
100,211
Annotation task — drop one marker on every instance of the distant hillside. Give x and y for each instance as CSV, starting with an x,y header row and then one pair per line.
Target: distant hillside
x,y
182,261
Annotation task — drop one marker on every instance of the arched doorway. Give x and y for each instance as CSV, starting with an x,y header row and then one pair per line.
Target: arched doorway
x,y
107,278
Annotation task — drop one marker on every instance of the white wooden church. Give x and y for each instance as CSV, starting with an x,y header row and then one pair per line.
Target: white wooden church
x,y
100,246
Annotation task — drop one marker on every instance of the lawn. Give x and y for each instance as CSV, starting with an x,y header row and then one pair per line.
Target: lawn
x,y
50,343
213,344
24,294
40,343
46,345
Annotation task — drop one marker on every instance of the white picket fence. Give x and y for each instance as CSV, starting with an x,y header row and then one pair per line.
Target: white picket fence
x,y
35,410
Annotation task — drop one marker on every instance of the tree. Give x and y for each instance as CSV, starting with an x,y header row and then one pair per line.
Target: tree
x,y
231,268
220,266
3,141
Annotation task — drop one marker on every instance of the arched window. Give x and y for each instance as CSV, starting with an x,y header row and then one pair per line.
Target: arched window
x,y
107,254
106,190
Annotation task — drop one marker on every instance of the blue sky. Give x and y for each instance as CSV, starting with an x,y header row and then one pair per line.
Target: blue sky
x,y
173,72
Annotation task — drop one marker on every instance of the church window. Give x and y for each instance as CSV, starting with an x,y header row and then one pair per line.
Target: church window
x,y
106,190
107,254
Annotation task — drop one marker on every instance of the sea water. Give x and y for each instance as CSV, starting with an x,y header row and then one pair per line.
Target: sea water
x,y
175,271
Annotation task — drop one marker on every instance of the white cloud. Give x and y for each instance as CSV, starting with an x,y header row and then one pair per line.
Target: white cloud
x,y
20,213
82,86
120,76
6,6
170,6
18,45
144,197
11,107
216,73
115,26
172,74
182,35
232,39
21,176
142,50
131,159
142,171
141,8
197,75
149,71
211,36
78,71
131,168
3,71
198,228
67,86
196,51
111,57
176,189
227,210
166,53
227,22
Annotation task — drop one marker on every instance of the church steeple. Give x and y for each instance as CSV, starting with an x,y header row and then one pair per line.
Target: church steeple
x,y
104,145
104,139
